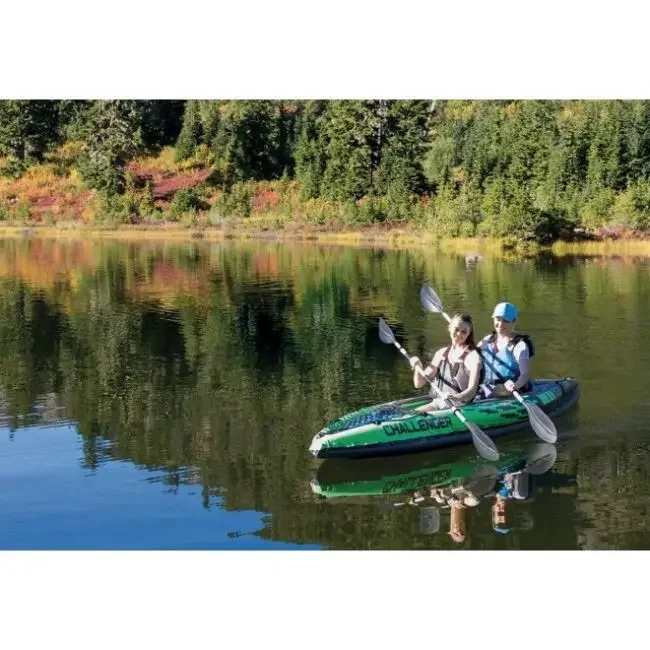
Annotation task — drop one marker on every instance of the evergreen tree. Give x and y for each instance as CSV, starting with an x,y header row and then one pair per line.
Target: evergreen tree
x,y
575,124
404,141
289,133
605,168
531,137
310,153
210,112
637,141
351,131
73,116
247,144
160,122
439,161
483,154
192,131
115,137
27,127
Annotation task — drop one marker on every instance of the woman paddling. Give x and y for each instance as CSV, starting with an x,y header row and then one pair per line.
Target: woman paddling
x,y
455,369
505,354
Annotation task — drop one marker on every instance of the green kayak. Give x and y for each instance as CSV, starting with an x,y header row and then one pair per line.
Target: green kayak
x,y
395,427
386,477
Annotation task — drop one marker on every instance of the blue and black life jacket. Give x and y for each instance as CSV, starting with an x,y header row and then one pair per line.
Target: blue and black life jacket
x,y
518,487
501,365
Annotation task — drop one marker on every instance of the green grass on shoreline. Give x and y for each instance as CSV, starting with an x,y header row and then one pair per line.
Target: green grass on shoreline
x,y
396,237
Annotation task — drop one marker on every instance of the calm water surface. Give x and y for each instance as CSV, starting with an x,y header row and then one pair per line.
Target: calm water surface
x,y
163,396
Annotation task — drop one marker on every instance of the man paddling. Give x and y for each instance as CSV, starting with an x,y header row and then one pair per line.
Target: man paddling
x,y
506,355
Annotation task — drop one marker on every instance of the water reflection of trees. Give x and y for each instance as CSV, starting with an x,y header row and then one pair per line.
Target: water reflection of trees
x,y
217,363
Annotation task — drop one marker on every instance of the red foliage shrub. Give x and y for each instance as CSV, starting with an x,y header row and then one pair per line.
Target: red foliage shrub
x,y
164,184
264,200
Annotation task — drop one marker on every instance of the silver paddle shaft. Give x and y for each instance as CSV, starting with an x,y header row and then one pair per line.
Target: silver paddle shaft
x,y
456,410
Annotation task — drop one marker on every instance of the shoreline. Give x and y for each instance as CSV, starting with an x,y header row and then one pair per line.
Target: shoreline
x,y
398,238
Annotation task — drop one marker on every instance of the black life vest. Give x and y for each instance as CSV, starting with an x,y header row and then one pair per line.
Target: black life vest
x,y
445,378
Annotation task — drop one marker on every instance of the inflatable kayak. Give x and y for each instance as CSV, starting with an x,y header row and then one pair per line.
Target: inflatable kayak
x,y
395,427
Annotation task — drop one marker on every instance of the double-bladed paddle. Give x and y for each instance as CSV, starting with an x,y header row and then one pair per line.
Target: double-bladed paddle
x,y
485,447
540,422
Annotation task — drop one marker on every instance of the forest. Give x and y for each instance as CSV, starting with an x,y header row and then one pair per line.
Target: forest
x,y
523,170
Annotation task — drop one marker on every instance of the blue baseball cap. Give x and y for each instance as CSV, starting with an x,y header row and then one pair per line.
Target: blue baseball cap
x,y
505,310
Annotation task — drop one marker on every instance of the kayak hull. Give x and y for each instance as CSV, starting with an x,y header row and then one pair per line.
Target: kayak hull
x,y
395,428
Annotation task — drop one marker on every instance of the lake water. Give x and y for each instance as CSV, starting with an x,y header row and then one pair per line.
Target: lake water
x,y
163,396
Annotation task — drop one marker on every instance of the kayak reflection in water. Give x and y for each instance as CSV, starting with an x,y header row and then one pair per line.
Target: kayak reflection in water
x,y
457,499
464,496
434,482
457,517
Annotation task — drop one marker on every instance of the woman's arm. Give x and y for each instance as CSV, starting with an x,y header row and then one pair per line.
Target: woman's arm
x,y
431,370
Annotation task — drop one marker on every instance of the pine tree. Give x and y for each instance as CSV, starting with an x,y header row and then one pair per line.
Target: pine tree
x,y
531,139
210,112
160,122
191,133
403,145
115,137
247,144
575,122
605,169
73,116
27,127
351,130
637,141
310,153
289,126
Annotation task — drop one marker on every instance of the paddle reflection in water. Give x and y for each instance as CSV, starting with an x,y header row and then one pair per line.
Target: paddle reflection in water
x,y
434,485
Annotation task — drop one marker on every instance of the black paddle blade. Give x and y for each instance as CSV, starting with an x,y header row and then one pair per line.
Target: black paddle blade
x,y
385,333
430,300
